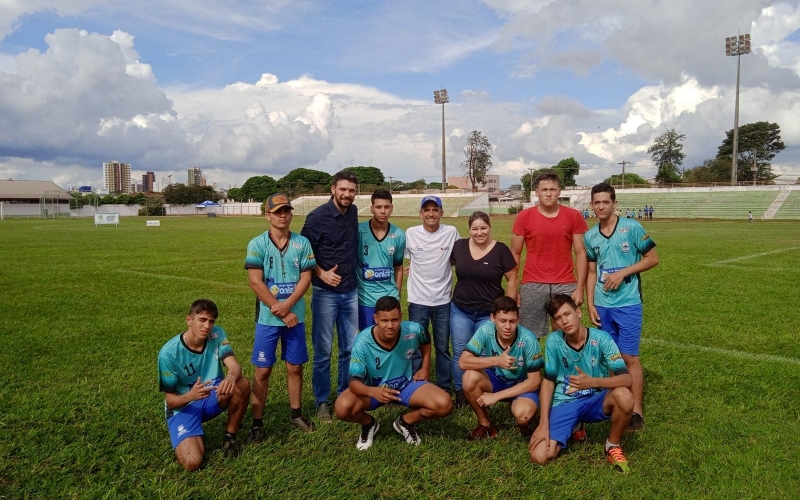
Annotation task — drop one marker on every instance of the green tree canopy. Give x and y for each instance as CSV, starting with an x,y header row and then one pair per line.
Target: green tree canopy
x,y
235,194
434,185
567,169
630,180
181,194
368,176
667,154
478,160
258,188
762,139
303,180
137,199
712,170
530,177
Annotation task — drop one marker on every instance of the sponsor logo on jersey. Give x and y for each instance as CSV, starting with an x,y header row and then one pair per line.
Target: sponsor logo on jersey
x,y
409,353
624,230
568,388
521,344
213,335
409,336
645,237
253,254
564,362
296,263
594,342
625,247
167,374
444,249
297,245
390,250
378,274
417,249
226,342
282,290
392,235
615,357
310,256
536,356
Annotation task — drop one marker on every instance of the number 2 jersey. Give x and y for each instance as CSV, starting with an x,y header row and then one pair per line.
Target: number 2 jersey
x,y
376,366
376,261
179,367
525,348
282,268
622,249
596,358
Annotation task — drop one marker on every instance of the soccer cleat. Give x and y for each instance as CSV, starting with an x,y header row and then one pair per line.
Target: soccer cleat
x,y
324,412
482,432
230,448
256,435
303,424
579,434
367,435
409,432
617,459
636,424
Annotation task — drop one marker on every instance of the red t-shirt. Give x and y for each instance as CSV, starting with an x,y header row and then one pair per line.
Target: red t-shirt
x,y
549,244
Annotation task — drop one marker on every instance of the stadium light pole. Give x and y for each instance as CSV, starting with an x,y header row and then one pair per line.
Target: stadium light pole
x,y
754,168
440,97
736,46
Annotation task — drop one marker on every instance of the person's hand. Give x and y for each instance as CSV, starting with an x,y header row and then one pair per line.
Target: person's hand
x,y
421,375
385,395
613,281
504,360
487,399
330,277
290,320
579,382
594,315
280,309
227,386
406,270
577,296
201,390
542,433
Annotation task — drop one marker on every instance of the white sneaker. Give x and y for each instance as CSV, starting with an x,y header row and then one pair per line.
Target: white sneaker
x,y
409,432
368,435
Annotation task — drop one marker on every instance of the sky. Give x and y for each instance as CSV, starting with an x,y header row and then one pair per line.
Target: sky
x,y
243,88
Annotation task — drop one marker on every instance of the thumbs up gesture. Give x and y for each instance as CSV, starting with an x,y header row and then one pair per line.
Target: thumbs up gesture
x,y
505,360
579,382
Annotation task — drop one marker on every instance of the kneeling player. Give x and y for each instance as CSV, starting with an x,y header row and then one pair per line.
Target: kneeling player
x,y
195,391
381,373
502,362
577,383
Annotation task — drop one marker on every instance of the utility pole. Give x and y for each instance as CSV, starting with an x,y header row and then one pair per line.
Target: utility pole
x,y
440,97
736,46
530,183
391,181
623,163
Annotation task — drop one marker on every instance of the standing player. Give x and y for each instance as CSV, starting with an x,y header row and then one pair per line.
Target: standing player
x,y
550,232
381,373
195,388
279,265
618,250
577,387
501,363
380,258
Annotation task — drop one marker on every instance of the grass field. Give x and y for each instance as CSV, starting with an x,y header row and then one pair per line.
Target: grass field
x,y
84,311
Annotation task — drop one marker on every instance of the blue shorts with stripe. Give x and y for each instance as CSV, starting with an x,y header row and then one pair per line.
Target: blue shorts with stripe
x,y
501,385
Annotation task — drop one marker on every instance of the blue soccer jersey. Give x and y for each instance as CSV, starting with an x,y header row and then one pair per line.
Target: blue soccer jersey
x,y
622,249
596,358
282,268
525,348
179,366
378,367
376,262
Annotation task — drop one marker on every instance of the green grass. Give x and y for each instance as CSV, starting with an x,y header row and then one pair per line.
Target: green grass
x,y
84,311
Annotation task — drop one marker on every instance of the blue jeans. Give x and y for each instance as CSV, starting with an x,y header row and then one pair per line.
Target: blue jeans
x,y
463,325
439,319
329,308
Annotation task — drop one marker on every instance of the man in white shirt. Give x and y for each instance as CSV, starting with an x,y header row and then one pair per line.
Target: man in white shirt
x,y
430,280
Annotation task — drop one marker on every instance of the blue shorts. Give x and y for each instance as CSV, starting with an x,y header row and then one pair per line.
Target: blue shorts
x,y
501,385
293,345
565,416
365,316
624,324
405,394
188,421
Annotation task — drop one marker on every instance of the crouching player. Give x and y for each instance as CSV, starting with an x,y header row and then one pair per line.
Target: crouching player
x,y
577,383
381,373
502,362
195,388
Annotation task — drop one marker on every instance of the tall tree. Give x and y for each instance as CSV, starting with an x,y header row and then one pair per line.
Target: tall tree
x,y
760,138
258,188
478,161
235,194
712,170
630,180
304,180
568,168
667,154
368,176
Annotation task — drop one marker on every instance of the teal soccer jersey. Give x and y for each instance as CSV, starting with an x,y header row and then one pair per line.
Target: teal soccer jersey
x,y
376,261
526,349
596,358
377,367
179,366
622,249
282,268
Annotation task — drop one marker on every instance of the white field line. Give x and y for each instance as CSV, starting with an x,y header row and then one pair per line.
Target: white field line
x,y
755,268
182,278
750,356
176,264
745,257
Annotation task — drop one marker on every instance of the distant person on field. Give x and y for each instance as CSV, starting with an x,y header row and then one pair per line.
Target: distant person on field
x,y
332,230
196,390
279,265
502,363
380,258
585,381
618,250
651,212
381,373
550,232
640,214
750,216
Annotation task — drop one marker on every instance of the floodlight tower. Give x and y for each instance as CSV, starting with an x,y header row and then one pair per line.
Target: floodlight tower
x,y
440,97
736,46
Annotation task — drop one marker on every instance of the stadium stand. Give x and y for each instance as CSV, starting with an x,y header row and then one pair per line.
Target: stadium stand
x,y
699,205
790,208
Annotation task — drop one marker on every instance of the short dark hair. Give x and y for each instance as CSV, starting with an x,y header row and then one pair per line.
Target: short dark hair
x,y
505,304
604,187
477,214
547,175
344,175
557,301
381,194
387,303
204,305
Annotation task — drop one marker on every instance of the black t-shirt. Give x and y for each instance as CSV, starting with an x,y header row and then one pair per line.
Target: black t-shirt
x,y
479,281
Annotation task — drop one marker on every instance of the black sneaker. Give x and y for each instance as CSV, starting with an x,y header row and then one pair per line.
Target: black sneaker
x,y
636,424
230,448
303,424
324,412
256,435
409,432
367,435
461,400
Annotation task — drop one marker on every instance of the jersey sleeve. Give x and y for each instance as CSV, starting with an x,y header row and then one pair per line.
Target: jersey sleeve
x,y
550,359
477,344
255,254
358,362
422,337
533,355
587,242
641,239
611,356
225,348
167,377
307,260
400,249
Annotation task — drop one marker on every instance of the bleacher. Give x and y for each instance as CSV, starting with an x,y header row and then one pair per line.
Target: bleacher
x,y
790,208
699,205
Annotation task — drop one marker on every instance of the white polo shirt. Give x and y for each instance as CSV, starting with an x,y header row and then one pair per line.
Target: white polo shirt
x,y
430,278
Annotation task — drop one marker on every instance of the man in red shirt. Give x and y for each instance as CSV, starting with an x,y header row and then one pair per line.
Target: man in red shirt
x,y
550,232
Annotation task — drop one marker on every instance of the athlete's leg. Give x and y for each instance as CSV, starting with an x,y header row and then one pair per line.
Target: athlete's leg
x,y
260,390
475,383
352,408
637,381
619,404
430,402
523,409
189,453
236,404
295,352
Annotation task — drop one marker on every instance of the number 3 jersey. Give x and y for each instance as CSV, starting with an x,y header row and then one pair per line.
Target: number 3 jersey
x,y
179,367
376,366
376,261
282,268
